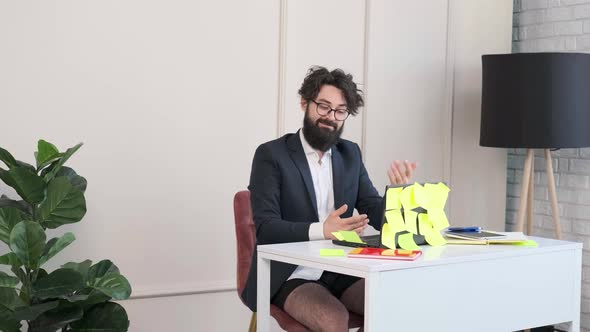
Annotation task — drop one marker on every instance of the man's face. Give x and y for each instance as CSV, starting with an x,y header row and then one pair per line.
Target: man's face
x,y
323,131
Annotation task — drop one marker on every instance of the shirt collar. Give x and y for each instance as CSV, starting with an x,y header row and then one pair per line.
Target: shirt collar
x,y
308,149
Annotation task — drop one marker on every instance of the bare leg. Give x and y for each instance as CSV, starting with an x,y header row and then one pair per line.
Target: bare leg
x,y
353,297
315,307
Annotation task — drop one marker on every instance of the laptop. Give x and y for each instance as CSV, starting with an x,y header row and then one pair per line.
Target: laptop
x,y
374,241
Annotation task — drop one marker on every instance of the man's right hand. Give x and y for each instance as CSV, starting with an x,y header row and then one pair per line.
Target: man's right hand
x,y
334,223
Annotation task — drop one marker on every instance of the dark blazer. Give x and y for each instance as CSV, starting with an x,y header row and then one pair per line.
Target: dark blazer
x,y
284,203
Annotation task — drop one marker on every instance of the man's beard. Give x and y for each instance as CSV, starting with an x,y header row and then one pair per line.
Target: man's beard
x,y
318,137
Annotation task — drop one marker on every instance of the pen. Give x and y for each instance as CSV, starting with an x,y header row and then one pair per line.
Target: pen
x,y
469,229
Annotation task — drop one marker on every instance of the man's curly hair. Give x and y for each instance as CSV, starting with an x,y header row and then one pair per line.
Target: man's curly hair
x,y
318,76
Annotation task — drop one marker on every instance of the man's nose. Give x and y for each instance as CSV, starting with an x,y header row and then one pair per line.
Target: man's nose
x,y
332,115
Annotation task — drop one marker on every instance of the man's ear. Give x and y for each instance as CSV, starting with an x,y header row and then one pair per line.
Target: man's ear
x,y
304,104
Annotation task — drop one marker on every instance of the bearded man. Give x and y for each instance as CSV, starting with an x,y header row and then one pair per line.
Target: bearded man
x,y
304,186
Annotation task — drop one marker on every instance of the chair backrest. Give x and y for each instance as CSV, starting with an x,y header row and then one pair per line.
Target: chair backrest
x,y
245,237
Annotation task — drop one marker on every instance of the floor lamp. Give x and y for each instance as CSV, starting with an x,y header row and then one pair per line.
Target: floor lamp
x,y
535,101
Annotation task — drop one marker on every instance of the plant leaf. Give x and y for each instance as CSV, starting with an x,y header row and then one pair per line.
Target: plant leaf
x,y
9,217
7,158
82,267
64,204
32,312
21,205
75,297
27,241
55,168
45,152
54,247
104,317
101,268
10,259
58,283
7,321
94,297
113,285
56,319
27,184
8,281
26,166
76,180
9,298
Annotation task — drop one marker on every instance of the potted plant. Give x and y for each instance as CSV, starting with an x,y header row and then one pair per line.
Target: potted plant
x,y
75,297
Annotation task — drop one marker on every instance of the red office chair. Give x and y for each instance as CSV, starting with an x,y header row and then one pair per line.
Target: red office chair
x,y
246,243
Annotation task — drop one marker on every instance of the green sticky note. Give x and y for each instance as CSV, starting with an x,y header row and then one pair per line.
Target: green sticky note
x,y
395,220
406,241
332,252
411,218
387,236
338,236
392,200
351,236
527,243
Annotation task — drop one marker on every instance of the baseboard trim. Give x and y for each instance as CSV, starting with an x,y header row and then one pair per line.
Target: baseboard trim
x,y
183,289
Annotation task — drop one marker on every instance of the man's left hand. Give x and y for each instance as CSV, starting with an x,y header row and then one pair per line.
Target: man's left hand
x,y
401,173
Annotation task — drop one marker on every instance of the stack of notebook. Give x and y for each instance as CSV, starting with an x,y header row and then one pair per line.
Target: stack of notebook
x,y
485,237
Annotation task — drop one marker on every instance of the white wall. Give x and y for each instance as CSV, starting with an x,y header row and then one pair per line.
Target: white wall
x,y
171,99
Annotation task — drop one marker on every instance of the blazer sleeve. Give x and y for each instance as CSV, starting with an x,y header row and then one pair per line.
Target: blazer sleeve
x,y
265,191
369,201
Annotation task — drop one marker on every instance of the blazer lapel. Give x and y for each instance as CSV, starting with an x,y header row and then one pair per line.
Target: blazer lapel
x,y
337,174
300,160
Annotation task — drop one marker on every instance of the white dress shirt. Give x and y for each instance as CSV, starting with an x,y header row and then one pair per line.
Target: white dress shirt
x,y
323,185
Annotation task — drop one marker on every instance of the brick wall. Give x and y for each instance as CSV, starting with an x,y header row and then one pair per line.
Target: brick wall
x,y
555,26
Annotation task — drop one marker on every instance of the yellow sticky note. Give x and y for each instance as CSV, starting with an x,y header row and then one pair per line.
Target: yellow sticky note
x,y
392,200
407,198
406,241
438,219
435,239
331,252
424,224
528,243
351,236
421,196
338,236
437,194
411,219
388,236
395,220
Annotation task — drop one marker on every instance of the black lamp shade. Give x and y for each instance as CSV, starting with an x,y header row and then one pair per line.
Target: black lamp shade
x,y
535,100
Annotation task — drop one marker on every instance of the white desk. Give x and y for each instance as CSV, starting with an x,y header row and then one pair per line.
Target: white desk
x,y
451,288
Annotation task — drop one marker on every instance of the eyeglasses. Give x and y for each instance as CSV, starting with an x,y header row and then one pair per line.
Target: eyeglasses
x,y
325,109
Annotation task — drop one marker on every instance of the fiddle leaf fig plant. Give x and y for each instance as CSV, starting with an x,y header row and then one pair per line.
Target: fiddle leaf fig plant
x,y
76,297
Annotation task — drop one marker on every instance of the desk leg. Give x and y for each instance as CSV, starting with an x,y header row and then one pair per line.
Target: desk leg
x,y
263,295
373,302
577,290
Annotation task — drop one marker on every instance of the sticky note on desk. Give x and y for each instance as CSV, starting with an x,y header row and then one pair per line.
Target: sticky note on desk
x,y
331,252
528,243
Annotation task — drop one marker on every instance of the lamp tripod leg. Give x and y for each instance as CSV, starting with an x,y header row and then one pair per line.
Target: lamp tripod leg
x,y
552,193
530,199
526,177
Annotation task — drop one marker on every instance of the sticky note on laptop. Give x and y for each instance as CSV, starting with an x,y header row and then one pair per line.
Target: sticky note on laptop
x,y
348,236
